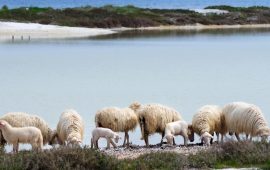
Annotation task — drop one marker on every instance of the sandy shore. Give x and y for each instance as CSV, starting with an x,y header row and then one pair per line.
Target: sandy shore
x,y
197,27
19,31
39,31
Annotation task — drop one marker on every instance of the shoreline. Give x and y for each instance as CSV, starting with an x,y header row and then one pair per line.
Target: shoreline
x,y
195,27
29,31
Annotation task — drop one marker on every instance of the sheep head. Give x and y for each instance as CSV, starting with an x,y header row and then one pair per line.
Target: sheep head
x,y
135,106
264,133
206,137
116,138
53,137
169,138
3,124
73,141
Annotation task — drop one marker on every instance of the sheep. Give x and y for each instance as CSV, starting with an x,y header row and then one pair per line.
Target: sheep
x,y
241,117
153,118
16,135
118,120
20,119
207,120
105,133
178,128
70,128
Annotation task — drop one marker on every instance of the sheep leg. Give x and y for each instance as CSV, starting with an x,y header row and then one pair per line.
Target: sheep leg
x,y
96,143
127,139
92,143
250,138
108,143
217,137
112,142
174,142
185,140
15,147
237,136
211,140
246,136
222,138
162,136
146,139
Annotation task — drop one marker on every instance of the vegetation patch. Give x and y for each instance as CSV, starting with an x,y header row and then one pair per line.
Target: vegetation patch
x,y
130,16
230,154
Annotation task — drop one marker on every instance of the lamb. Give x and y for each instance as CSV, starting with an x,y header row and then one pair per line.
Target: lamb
x,y
70,128
105,133
118,120
20,119
241,117
15,135
207,120
153,118
178,128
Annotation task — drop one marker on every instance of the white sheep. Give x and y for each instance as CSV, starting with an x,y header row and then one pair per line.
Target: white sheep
x,y
70,128
178,128
207,120
104,133
15,135
241,117
153,118
20,119
118,120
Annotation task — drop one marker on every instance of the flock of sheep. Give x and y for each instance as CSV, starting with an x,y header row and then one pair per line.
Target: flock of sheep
x,y
234,118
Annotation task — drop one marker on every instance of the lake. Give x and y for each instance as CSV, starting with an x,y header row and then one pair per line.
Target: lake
x,y
191,4
184,70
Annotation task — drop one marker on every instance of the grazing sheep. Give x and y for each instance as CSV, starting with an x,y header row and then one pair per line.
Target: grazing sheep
x,y
207,120
241,117
105,133
15,135
178,128
153,118
19,119
70,128
118,120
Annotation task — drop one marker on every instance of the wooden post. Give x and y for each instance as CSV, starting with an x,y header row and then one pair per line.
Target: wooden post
x,y
12,38
22,37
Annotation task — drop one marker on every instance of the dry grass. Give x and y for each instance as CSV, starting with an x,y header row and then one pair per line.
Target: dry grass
x,y
230,154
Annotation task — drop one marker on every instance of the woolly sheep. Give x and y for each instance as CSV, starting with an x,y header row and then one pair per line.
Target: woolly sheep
x,y
105,133
178,128
20,119
207,120
241,117
70,128
118,120
15,135
153,118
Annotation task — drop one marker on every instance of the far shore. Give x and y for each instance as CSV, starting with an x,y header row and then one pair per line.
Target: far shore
x,y
28,31
197,27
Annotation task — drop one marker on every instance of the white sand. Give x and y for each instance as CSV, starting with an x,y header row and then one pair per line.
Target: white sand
x,y
196,27
39,31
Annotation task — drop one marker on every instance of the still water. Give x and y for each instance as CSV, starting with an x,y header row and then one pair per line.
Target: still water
x,y
184,70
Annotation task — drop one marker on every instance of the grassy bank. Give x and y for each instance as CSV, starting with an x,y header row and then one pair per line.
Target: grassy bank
x,y
130,16
231,154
